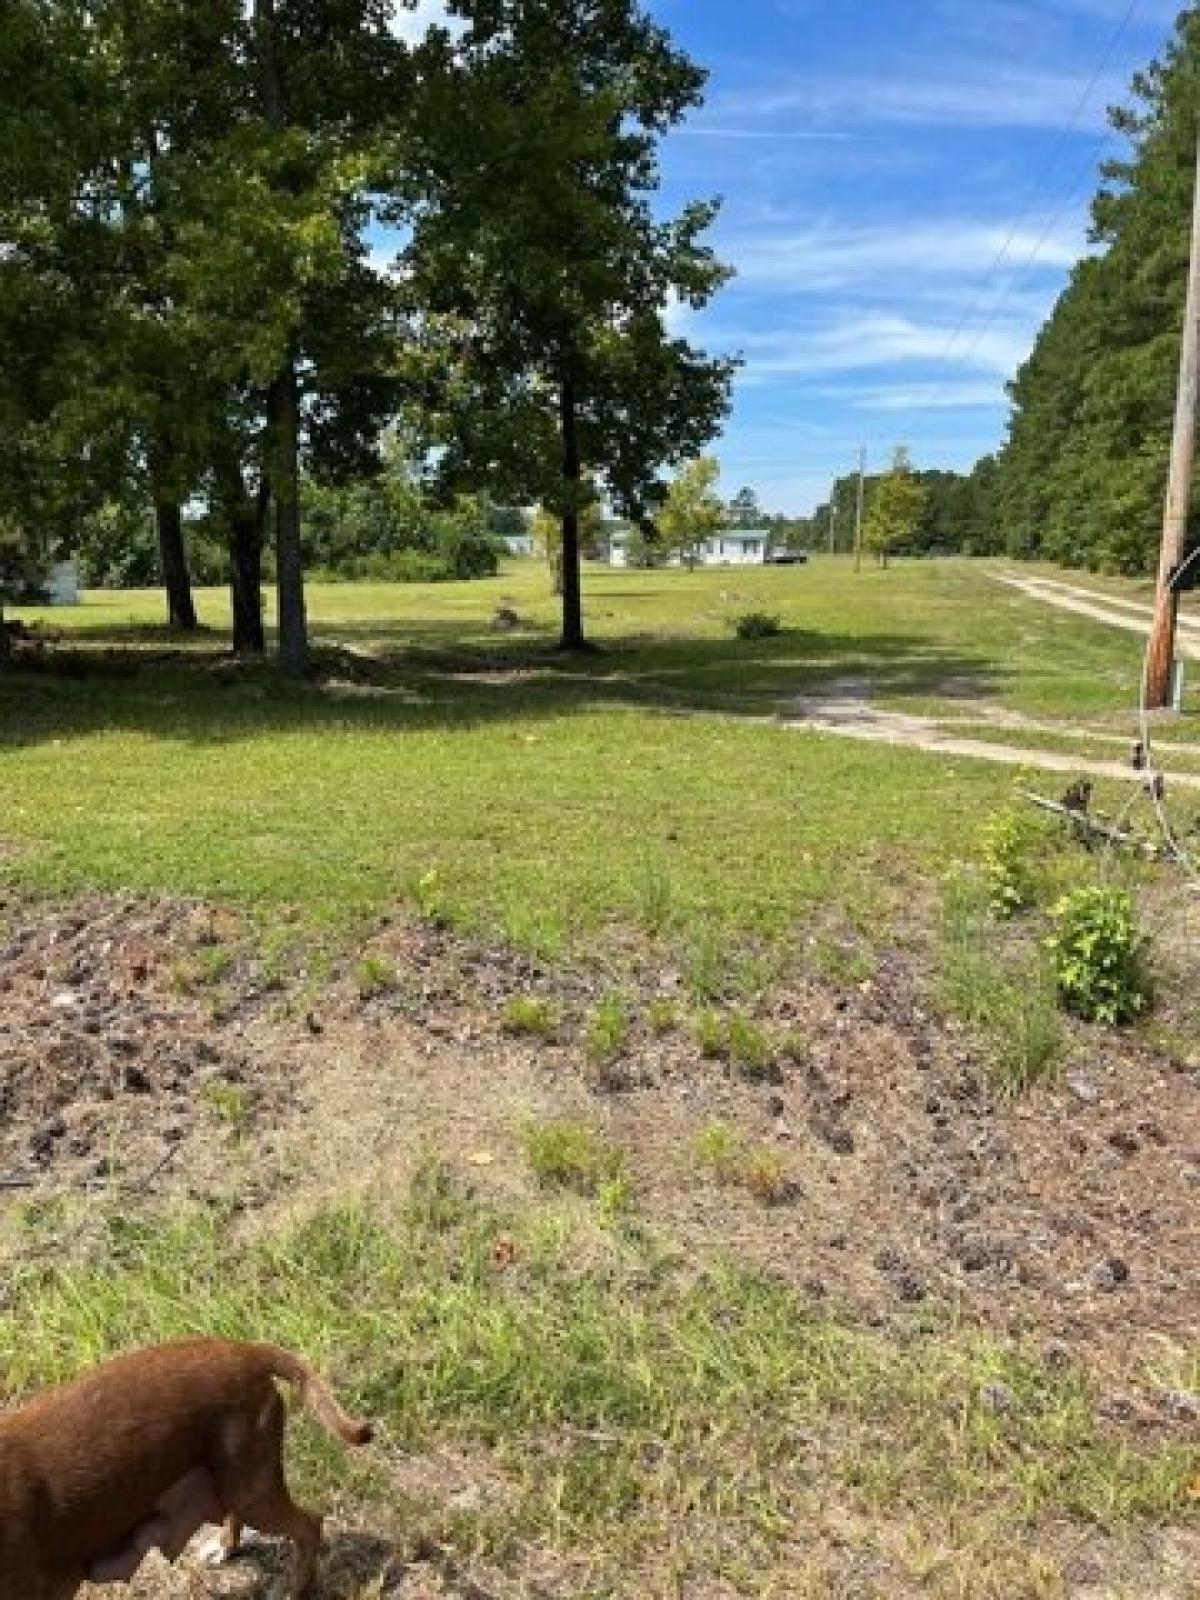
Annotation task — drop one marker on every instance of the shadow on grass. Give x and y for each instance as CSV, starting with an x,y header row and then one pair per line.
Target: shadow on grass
x,y
430,674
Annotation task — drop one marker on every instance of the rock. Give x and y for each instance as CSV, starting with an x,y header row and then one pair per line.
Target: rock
x,y
975,1256
1124,1142
135,1080
839,1139
1110,1275
1084,1090
909,1287
64,1001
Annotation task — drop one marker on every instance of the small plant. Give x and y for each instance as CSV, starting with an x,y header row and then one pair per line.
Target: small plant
x,y
749,1049
437,1201
430,896
203,969
662,1017
758,625
526,1016
374,976
764,1175
607,1034
1098,956
712,1036
840,961
570,1155
229,1102
719,1148
655,901
1005,843
1010,998
735,1164
614,1197
705,966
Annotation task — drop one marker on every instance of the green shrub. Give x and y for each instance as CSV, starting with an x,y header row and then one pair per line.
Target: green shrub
x,y
607,1032
712,1036
1098,956
1005,843
758,625
374,976
662,1017
734,1163
526,1016
570,1155
750,1048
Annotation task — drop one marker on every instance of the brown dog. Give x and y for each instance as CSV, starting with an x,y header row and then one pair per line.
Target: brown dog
x,y
143,1451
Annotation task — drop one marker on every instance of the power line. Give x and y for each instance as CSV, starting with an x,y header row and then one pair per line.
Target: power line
x,y
1032,204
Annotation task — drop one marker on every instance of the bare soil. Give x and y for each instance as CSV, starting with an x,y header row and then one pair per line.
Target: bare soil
x,y
1071,1215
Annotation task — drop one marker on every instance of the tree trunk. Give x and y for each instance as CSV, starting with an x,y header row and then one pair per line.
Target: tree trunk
x,y
247,533
283,409
181,608
285,491
572,592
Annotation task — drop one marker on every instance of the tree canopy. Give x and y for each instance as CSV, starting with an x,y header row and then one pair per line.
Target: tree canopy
x,y
1082,476
541,270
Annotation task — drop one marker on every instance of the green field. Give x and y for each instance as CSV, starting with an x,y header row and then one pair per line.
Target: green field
x,y
553,797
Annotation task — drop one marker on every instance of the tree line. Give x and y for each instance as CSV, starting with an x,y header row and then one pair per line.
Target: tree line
x,y
1081,478
245,248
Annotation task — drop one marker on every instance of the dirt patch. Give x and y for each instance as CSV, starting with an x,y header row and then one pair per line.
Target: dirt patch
x,y
115,1059
854,718
1128,615
1069,1217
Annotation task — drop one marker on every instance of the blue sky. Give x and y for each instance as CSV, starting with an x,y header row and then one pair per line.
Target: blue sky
x,y
905,188
876,158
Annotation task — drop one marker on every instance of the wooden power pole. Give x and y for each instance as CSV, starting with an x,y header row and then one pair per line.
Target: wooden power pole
x,y
858,515
1161,659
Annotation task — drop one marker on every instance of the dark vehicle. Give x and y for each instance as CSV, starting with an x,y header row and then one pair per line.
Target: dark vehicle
x,y
787,558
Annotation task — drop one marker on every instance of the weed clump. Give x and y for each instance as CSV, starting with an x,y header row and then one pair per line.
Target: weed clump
x,y
570,1155
758,625
526,1016
1098,956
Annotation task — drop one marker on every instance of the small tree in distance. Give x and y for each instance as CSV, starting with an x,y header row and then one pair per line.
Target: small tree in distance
x,y
692,514
896,509
548,541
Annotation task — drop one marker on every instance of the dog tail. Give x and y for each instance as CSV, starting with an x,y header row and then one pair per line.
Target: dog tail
x,y
315,1395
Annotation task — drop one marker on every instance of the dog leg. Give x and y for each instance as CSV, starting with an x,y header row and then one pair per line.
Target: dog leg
x,y
278,1513
231,1537
252,1488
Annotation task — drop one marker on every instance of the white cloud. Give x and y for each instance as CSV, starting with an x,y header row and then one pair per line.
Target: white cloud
x,y
951,395
877,341
822,259
1002,97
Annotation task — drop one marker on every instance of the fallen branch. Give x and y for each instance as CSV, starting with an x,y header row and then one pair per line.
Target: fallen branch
x,y
1095,828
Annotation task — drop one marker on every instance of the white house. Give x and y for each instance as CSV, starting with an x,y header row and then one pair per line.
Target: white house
x,y
62,584
732,547
519,544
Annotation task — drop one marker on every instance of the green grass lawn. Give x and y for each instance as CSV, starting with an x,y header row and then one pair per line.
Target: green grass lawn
x,y
552,797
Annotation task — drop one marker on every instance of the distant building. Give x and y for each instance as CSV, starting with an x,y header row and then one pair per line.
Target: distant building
x,y
62,584
732,547
519,544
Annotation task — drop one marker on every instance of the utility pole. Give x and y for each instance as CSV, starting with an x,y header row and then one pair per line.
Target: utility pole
x,y
1161,659
858,515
